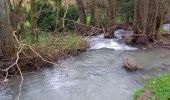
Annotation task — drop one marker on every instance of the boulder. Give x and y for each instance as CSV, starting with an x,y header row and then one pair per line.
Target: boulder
x,y
130,65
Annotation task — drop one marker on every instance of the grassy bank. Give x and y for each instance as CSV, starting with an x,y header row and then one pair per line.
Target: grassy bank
x,y
155,89
51,48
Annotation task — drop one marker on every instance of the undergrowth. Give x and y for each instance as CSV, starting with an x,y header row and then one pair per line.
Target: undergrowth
x,y
57,45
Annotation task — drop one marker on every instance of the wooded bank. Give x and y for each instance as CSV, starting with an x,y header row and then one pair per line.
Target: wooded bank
x,y
31,25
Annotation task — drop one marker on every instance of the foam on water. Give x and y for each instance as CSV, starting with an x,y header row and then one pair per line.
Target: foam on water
x,y
166,27
99,42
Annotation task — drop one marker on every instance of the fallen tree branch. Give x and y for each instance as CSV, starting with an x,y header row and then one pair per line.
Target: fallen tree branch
x,y
20,49
130,65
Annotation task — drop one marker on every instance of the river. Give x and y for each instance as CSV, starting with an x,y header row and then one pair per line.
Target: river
x,y
93,75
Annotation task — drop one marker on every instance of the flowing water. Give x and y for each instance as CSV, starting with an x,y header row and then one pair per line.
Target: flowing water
x,y
93,75
166,27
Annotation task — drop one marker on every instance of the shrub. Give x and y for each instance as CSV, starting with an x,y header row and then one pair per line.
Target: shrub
x,y
51,16
125,10
47,17
72,14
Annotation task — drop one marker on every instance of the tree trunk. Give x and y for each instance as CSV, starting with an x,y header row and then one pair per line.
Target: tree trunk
x,y
33,20
148,18
92,12
7,42
112,10
81,11
1,17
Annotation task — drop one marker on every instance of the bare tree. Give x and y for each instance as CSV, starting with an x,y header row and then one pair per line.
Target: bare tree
x,y
148,18
112,10
81,10
92,12
103,12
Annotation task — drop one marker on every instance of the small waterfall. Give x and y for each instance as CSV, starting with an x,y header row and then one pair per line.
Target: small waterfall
x,y
166,27
99,42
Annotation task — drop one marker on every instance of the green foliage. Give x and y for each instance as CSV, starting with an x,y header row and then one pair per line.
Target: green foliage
x,y
159,88
57,2
120,20
47,17
71,42
43,38
48,43
88,19
126,10
137,93
72,14
51,15
46,21
104,20
27,25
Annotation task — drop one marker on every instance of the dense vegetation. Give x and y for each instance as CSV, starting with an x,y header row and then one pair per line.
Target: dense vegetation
x,y
35,33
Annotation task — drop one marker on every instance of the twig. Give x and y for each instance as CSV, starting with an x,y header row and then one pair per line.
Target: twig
x,y
20,85
21,46
65,13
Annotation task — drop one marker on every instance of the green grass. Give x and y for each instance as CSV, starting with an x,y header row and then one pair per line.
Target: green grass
x,y
71,42
137,93
159,88
53,46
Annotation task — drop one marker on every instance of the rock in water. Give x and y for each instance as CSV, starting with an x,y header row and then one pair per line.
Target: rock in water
x,y
130,65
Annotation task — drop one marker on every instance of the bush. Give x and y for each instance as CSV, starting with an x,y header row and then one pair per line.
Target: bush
x,y
51,16
72,14
47,18
126,10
